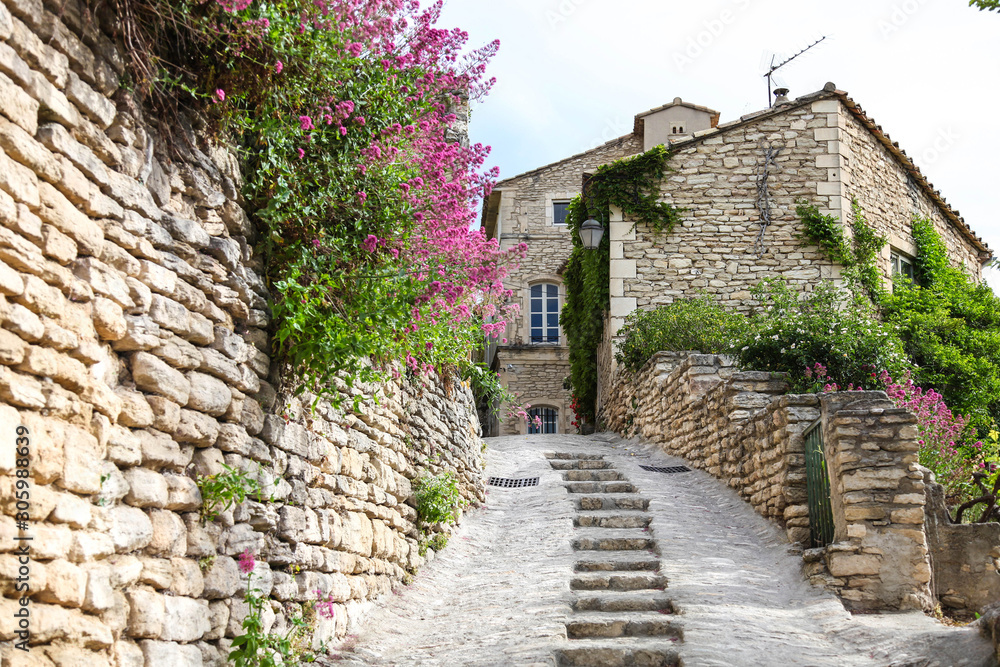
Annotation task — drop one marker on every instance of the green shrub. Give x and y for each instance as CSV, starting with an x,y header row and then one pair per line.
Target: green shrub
x,y
790,332
950,328
696,323
438,499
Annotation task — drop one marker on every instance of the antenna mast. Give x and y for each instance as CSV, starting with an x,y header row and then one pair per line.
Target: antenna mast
x,y
774,67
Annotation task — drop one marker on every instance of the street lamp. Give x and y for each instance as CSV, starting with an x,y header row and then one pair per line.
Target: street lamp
x,y
591,232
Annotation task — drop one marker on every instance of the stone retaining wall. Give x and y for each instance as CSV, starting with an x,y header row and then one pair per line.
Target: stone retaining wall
x,y
735,425
743,429
134,350
879,557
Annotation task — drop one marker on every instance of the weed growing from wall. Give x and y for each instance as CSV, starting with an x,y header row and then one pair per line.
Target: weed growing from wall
x,y
438,499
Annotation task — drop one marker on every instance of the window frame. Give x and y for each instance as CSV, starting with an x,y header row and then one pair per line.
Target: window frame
x,y
897,261
552,209
550,418
545,297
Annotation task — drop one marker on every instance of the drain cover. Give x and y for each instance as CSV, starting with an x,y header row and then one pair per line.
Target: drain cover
x,y
508,483
667,469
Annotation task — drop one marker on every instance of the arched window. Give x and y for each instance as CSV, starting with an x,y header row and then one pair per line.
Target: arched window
x,y
544,309
549,418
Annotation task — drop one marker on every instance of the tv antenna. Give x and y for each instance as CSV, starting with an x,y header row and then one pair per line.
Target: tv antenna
x,y
774,67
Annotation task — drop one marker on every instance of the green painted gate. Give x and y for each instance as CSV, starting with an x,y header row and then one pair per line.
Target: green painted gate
x,y
818,487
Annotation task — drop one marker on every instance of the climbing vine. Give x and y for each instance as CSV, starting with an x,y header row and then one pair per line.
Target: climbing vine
x,y
859,256
631,184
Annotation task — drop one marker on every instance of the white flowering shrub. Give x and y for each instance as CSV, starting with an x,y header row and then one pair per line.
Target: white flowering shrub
x,y
791,332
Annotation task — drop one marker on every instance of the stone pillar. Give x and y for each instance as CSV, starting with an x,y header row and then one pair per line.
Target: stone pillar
x,y
879,559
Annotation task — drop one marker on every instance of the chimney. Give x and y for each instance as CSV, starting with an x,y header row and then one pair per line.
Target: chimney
x,y
780,96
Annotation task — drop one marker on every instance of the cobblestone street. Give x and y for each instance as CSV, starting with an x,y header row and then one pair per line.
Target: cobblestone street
x,y
504,590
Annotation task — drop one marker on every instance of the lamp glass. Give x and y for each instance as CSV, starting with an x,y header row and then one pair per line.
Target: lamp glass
x,y
591,232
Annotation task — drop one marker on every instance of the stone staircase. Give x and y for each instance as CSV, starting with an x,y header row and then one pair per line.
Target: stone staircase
x,y
622,616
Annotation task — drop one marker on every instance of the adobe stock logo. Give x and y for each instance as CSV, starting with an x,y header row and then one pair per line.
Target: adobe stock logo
x,y
703,40
944,141
898,16
562,12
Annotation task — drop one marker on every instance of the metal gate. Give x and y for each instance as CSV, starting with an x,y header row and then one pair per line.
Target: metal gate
x,y
818,487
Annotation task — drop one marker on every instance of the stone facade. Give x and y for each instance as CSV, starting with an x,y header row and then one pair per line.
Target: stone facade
x,y
827,152
520,211
134,357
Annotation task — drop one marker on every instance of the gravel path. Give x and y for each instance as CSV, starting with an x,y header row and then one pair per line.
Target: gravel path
x,y
499,594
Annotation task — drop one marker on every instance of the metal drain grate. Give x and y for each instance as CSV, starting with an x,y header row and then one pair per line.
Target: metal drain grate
x,y
508,483
667,469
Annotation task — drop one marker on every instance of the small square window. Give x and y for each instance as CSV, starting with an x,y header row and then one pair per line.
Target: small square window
x,y
559,211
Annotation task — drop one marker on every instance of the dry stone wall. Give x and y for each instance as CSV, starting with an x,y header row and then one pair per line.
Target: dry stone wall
x,y
134,358
735,425
879,557
742,428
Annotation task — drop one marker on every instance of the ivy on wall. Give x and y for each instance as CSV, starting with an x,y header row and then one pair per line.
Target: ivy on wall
x,y
950,327
859,256
631,184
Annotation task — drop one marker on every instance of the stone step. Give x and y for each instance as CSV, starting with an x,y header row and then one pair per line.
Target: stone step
x,y
574,455
580,464
600,487
617,561
631,581
613,539
618,601
588,625
613,519
593,476
625,502
622,653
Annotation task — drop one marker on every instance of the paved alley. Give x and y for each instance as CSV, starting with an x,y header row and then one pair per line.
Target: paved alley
x,y
604,562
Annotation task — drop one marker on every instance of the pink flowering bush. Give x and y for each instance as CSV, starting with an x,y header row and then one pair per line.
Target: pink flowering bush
x,y
945,444
348,115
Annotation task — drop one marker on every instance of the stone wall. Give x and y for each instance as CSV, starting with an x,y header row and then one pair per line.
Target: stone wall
x,y
735,425
965,557
889,196
743,429
134,353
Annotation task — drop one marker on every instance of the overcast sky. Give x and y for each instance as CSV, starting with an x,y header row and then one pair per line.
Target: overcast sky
x,y
573,73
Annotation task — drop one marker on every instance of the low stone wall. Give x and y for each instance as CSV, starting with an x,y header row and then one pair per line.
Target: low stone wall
x,y
134,357
965,557
743,429
735,425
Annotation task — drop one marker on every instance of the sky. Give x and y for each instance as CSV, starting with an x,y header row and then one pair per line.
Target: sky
x,y
572,74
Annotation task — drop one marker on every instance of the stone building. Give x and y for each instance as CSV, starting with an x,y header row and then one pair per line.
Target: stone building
x,y
738,184
533,358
